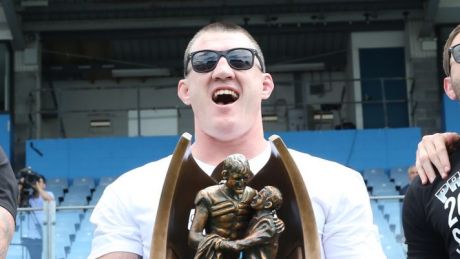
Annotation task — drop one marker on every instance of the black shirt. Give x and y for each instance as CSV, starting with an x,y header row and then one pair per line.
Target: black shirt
x,y
431,216
8,185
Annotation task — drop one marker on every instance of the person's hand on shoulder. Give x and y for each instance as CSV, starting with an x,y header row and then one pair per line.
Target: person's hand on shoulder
x,y
433,150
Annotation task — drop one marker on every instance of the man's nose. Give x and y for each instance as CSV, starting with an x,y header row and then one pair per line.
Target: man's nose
x,y
223,69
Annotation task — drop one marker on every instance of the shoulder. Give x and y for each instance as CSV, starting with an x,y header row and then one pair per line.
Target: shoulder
x,y
138,183
209,189
206,193
316,167
50,193
147,174
332,187
424,193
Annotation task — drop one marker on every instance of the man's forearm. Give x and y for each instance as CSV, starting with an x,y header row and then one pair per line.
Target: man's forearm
x,y
6,231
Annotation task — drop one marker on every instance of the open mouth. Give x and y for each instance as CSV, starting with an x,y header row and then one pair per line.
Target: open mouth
x,y
225,96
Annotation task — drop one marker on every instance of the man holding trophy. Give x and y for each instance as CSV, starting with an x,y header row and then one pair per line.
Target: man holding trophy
x,y
225,83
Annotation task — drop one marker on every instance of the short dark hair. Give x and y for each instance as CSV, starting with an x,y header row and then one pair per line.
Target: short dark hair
x,y
235,162
275,196
446,54
223,27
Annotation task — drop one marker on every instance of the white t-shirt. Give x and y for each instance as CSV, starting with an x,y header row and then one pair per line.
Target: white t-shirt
x,y
125,214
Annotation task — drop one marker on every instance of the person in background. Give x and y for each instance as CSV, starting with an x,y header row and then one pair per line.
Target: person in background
x,y
431,212
33,194
411,174
225,83
8,203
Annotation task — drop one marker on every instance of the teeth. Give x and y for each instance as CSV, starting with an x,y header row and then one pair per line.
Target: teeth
x,y
225,92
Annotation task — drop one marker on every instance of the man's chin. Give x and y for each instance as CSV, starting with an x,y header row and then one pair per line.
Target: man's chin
x,y
239,192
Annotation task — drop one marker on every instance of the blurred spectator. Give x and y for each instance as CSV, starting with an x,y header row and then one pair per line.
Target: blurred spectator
x,y
33,194
411,174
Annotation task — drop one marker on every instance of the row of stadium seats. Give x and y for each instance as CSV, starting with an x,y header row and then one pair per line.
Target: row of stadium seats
x,y
74,231
383,182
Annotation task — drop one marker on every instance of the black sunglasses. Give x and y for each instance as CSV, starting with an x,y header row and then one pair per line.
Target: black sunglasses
x,y
204,61
455,52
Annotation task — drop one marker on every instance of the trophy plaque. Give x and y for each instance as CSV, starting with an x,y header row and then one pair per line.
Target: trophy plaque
x,y
185,179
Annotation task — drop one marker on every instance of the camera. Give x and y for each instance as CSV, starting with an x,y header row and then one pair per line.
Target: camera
x,y
30,178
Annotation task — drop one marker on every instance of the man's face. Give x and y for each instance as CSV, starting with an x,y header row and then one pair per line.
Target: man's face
x,y
258,202
237,181
412,173
452,83
243,90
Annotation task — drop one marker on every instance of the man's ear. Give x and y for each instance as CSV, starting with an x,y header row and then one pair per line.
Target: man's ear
x,y
268,204
224,175
183,91
267,86
449,89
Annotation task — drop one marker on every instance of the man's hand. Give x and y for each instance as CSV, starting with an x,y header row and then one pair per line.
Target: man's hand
x,y
36,187
434,150
279,225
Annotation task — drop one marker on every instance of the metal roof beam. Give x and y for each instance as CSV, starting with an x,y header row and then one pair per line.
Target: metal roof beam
x,y
427,30
192,22
14,24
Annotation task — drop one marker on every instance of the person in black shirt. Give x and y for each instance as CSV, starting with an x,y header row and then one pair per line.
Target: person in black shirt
x,y
431,217
431,213
8,203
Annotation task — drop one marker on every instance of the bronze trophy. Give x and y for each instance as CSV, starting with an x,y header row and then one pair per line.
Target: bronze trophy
x,y
185,179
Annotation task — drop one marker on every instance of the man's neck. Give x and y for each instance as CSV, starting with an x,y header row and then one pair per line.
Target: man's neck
x,y
213,151
263,212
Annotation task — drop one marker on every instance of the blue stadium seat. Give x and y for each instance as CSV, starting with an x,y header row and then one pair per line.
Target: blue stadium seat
x,y
74,202
57,190
392,248
79,251
60,251
392,210
375,175
84,181
97,194
106,180
399,176
82,245
68,219
58,181
17,251
80,188
384,188
63,241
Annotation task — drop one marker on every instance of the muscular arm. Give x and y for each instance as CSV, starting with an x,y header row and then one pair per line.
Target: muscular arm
x,y
6,231
198,225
